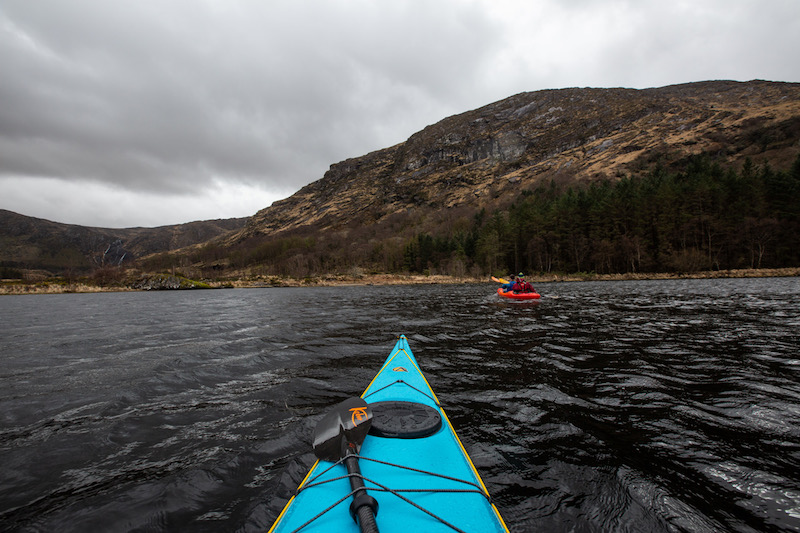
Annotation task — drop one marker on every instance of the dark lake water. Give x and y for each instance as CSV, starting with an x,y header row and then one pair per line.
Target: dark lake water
x,y
606,406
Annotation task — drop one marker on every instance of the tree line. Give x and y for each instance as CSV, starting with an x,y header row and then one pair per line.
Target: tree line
x,y
705,217
701,217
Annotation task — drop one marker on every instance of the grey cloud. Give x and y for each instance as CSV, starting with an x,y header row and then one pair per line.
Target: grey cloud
x,y
137,93
180,96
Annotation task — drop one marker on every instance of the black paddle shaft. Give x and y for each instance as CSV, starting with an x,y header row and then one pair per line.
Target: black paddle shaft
x,y
364,506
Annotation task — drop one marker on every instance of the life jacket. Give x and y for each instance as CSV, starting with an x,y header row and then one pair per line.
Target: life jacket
x,y
527,287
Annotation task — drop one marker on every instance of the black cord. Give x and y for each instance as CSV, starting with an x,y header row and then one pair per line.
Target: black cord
x,y
404,383
382,488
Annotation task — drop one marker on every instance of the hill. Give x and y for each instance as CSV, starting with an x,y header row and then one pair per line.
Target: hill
x,y
28,243
488,156
529,182
376,212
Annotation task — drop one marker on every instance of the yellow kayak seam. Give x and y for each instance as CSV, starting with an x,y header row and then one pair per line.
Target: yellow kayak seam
x,y
449,424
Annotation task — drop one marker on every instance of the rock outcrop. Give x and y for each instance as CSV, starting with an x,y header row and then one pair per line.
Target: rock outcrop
x,y
489,155
163,282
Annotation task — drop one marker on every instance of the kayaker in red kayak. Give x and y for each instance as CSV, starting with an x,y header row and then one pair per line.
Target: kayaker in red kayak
x,y
521,285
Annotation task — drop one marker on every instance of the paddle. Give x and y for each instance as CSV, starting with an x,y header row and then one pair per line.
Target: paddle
x,y
339,435
499,280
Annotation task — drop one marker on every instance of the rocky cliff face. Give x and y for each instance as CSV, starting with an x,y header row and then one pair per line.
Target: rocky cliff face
x,y
489,155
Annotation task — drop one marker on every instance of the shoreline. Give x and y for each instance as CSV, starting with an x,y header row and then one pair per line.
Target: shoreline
x,y
16,287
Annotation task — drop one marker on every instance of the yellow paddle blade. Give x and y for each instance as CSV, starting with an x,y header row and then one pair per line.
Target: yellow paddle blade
x,y
499,280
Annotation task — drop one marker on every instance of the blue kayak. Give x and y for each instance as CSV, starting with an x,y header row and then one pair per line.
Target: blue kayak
x,y
413,464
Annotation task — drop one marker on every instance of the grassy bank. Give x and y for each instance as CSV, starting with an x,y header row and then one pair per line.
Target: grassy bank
x,y
61,287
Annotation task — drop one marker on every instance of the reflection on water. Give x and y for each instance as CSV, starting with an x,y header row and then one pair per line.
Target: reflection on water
x,y
641,406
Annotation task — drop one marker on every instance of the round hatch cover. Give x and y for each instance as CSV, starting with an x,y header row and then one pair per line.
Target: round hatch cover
x,y
404,420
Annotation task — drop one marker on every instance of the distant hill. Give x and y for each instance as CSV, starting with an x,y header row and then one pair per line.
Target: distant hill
x,y
36,244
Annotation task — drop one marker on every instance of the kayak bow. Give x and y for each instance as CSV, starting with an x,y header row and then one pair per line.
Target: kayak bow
x,y
412,462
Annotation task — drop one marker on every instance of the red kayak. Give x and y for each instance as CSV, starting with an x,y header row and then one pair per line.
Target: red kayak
x,y
518,295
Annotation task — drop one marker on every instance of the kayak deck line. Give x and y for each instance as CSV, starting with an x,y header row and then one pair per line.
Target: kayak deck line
x,y
378,487
400,381
402,339
314,483
409,455
389,362
412,360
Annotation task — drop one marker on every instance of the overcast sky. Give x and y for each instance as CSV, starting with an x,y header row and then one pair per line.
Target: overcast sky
x,y
152,112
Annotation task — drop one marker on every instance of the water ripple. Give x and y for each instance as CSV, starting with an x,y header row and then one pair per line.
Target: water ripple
x,y
614,406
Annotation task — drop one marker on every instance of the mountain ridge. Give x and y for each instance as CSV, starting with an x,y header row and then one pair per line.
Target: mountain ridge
x,y
487,156
481,159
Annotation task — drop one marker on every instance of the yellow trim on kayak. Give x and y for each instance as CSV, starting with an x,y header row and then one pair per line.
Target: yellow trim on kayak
x,y
283,512
389,361
286,507
449,424
379,372
471,464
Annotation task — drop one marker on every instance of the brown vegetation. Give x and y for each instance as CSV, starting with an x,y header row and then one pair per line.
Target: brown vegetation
x,y
488,191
